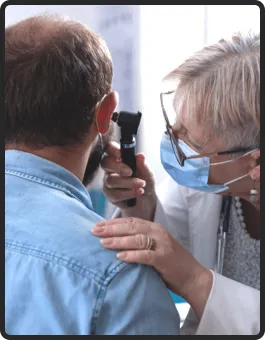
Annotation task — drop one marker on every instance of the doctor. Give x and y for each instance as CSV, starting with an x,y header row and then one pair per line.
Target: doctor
x,y
201,230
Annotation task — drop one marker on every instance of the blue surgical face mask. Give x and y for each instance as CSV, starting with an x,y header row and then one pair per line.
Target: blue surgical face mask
x,y
195,172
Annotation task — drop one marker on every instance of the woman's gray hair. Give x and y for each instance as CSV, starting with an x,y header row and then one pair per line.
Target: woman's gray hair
x,y
219,87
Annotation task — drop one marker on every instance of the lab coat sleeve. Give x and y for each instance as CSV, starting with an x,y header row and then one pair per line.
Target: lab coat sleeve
x,y
232,309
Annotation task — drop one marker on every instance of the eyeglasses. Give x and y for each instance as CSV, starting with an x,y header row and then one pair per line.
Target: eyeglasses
x,y
180,155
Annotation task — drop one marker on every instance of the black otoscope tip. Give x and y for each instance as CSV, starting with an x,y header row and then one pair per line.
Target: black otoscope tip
x,y
115,117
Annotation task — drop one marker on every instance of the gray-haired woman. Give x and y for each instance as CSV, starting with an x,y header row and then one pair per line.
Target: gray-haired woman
x,y
210,252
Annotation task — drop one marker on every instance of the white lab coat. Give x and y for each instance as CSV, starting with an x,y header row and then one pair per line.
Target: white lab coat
x,y
192,217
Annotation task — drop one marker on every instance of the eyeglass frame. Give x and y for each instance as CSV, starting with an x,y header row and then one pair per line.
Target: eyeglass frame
x,y
181,154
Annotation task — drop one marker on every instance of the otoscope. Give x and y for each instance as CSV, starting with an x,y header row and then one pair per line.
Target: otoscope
x,y
129,123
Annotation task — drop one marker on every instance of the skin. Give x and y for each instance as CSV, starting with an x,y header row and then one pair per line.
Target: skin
x,y
75,158
187,277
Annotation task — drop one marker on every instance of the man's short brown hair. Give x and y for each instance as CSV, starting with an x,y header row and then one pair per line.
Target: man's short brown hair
x,y
56,70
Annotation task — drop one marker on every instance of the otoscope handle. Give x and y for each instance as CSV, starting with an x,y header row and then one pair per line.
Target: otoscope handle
x,y
128,158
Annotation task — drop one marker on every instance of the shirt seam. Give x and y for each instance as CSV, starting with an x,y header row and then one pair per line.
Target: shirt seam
x,y
67,263
102,293
99,302
56,259
75,267
41,181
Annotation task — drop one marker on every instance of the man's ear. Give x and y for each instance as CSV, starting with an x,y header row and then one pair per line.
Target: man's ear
x,y
105,111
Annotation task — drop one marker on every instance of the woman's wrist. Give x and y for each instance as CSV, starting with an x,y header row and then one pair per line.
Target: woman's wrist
x,y
146,210
199,290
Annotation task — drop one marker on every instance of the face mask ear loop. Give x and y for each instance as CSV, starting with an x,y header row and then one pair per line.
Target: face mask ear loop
x,y
232,160
236,179
230,182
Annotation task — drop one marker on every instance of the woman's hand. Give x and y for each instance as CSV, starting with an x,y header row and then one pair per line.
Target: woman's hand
x,y
119,186
179,269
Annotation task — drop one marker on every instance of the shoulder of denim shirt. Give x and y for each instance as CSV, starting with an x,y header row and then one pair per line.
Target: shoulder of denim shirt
x,y
46,218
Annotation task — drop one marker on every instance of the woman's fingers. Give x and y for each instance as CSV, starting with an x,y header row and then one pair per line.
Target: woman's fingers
x,y
122,227
138,256
114,181
113,149
139,241
132,237
120,195
112,164
119,186
127,220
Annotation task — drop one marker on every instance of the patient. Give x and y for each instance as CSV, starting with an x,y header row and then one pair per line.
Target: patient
x,y
59,279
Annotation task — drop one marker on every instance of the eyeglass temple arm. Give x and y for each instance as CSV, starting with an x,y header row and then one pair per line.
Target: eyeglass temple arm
x,y
220,153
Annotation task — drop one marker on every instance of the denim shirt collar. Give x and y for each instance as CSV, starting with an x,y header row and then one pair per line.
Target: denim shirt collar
x,y
43,171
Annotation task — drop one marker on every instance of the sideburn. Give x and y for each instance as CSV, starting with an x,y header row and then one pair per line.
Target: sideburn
x,y
95,158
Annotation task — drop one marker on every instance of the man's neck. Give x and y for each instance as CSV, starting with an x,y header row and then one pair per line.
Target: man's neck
x,y
74,159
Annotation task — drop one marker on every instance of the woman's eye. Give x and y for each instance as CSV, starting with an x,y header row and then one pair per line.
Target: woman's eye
x,y
196,146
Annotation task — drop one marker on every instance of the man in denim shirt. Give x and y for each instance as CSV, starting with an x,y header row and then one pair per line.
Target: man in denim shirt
x,y
59,279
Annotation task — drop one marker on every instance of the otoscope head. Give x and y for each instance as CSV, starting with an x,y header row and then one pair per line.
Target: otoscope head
x,y
115,117
127,120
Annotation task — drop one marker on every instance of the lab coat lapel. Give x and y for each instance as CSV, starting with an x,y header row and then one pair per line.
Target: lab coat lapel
x,y
204,216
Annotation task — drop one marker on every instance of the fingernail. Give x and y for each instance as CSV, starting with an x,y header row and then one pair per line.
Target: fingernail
x,y
142,156
106,242
143,184
140,191
126,172
97,230
122,255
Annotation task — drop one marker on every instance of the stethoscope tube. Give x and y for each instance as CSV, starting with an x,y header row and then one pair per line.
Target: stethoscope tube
x,y
222,232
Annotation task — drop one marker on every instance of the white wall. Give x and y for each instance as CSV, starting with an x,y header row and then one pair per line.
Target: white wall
x,y
223,20
169,34
83,13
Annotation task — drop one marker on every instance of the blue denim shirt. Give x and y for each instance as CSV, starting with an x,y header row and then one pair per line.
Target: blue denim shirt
x,y
59,278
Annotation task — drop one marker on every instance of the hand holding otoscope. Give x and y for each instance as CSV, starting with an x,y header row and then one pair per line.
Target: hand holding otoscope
x,y
129,123
134,194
